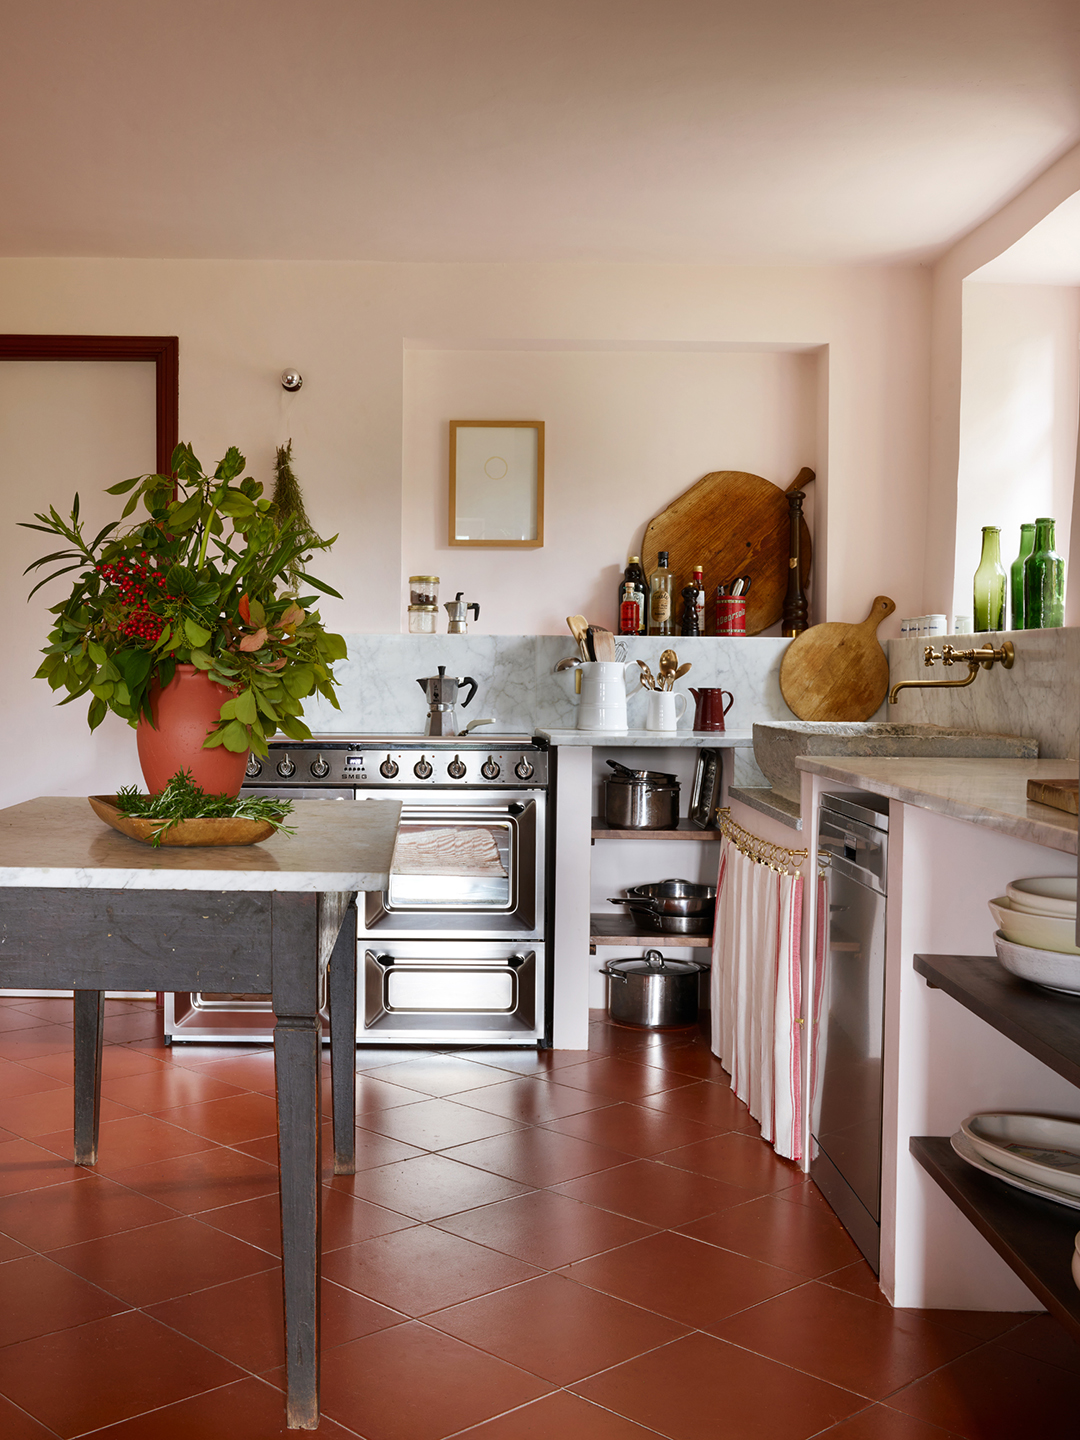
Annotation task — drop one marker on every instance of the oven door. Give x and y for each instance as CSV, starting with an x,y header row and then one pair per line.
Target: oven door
x,y
461,993
465,863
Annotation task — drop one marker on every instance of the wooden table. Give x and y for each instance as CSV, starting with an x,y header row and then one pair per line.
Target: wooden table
x,y
86,909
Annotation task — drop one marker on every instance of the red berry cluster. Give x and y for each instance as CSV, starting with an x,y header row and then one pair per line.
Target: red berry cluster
x,y
131,580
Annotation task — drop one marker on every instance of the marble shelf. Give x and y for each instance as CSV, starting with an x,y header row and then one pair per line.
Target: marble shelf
x,y
657,739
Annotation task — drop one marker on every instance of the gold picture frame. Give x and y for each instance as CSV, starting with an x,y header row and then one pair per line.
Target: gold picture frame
x,y
497,484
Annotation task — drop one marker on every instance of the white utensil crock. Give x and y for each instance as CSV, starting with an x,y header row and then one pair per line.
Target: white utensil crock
x,y
664,712
605,684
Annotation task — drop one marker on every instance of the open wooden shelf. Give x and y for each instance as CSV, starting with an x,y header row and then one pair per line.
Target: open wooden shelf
x,y
1042,1022
685,830
1034,1237
624,930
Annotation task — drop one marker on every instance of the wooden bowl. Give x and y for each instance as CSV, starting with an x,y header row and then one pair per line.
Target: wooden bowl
x,y
239,831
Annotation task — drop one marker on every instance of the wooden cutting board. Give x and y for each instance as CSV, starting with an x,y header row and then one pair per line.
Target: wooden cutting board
x,y
1061,794
837,672
734,523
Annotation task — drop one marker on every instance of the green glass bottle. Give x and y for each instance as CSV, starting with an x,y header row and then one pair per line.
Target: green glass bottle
x,y
1044,581
1016,576
989,585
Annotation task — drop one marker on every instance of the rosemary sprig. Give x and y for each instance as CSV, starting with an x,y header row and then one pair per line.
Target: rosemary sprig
x,y
182,799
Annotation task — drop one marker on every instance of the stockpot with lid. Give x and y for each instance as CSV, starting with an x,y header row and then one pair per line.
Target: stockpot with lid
x,y
640,799
653,993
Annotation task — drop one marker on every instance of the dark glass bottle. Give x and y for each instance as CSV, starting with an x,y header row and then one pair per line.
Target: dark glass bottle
x,y
989,583
1044,581
635,575
1016,576
794,618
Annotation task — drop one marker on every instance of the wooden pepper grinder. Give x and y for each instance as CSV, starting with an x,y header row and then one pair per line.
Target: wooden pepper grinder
x,y
689,611
795,616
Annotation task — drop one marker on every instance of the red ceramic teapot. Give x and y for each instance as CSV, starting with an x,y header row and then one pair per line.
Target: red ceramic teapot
x,y
711,709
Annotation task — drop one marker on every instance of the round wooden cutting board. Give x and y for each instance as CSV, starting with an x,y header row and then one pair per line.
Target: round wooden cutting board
x,y
837,672
733,523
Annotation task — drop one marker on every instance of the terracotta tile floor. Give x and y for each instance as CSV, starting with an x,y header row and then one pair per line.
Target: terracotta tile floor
x,y
585,1246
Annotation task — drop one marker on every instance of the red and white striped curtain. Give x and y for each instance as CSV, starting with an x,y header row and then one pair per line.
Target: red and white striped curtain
x,y
756,992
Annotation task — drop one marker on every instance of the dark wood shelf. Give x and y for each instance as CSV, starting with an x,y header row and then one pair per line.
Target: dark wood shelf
x,y
1042,1022
1034,1237
601,830
624,930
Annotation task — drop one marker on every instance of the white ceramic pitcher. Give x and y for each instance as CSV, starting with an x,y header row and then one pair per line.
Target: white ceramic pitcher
x,y
605,684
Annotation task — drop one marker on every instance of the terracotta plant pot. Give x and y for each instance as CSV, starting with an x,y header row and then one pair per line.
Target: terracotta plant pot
x,y
184,714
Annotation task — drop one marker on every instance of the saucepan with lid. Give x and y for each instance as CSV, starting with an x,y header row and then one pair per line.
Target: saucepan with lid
x,y
653,992
640,799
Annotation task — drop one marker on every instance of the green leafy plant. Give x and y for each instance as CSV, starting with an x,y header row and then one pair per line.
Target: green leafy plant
x,y
182,799
208,579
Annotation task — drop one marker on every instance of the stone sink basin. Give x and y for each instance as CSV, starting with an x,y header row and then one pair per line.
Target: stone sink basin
x,y
777,743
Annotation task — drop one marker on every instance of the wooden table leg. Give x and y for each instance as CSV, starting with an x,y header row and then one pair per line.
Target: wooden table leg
x,y
297,1056
343,1044
89,1035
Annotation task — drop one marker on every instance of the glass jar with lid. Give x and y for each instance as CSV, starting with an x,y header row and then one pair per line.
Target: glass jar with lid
x,y
424,590
423,619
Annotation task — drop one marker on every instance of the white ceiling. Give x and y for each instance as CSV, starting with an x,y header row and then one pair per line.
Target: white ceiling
x,y
655,130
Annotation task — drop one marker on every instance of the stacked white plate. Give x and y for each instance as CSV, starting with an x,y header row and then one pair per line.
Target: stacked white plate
x,y
1036,936
1036,1153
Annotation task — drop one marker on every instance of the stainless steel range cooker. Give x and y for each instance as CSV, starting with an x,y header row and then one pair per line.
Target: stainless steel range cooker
x,y
455,950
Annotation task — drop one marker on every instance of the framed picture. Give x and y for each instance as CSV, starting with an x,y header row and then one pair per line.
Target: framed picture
x,y
497,483
705,796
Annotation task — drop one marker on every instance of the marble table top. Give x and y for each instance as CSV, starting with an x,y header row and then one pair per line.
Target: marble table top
x,y
982,791
58,841
661,739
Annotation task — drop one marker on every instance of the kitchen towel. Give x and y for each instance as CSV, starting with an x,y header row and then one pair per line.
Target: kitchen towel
x,y
756,984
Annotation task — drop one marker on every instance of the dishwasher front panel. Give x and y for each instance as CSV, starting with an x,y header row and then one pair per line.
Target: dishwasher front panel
x,y
847,1097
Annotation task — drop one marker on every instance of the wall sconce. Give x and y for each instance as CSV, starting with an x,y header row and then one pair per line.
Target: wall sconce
x,y
291,380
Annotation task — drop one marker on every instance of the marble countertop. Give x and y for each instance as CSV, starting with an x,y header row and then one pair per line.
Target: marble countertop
x,y
661,739
985,792
58,842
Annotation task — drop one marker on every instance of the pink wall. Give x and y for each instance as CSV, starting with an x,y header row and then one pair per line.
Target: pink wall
x,y
345,326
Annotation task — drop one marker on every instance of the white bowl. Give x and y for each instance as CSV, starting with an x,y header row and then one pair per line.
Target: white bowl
x,y
1041,1148
1044,895
1041,932
1043,967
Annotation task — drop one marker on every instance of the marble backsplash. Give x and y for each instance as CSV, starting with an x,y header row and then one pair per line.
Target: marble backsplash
x,y
1039,696
517,683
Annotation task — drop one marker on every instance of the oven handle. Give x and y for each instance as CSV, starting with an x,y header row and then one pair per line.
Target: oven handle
x,y
516,807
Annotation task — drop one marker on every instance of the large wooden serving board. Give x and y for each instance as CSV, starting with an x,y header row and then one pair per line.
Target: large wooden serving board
x,y
837,672
734,523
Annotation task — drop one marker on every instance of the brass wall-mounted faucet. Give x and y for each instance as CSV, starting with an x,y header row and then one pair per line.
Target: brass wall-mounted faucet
x,y
985,656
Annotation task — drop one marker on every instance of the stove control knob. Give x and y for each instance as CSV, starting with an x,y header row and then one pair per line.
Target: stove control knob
x,y
523,770
456,768
285,768
388,769
490,769
422,769
254,767
319,768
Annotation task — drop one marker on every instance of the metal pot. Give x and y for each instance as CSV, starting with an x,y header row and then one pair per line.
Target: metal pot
x,y
653,993
640,799
674,907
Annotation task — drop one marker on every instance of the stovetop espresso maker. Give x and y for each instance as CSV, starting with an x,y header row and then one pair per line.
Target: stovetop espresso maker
x,y
441,691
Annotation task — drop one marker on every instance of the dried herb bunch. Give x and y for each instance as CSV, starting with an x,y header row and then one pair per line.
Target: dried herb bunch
x,y
210,578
